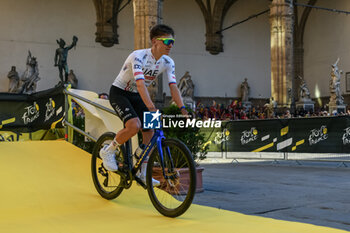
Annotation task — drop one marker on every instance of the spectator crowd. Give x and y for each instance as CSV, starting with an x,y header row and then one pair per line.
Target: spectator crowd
x,y
236,111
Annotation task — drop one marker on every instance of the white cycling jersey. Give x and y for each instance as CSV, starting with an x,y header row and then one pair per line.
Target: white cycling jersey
x,y
141,64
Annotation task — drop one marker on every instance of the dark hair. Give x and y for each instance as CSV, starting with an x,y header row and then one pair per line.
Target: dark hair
x,y
161,30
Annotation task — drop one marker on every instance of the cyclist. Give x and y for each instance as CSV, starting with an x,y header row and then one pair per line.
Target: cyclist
x,y
130,98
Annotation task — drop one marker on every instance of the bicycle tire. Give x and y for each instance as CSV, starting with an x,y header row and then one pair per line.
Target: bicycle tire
x,y
179,191
97,170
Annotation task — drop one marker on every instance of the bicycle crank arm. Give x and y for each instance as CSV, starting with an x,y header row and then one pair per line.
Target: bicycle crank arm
x,y
140,182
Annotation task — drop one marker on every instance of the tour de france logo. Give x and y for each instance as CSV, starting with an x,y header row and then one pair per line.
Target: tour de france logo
x,y
50,109
31,113
317,135
249,136
346,136
222,136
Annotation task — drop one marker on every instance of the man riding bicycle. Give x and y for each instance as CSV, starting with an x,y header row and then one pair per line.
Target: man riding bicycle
x,y
129,95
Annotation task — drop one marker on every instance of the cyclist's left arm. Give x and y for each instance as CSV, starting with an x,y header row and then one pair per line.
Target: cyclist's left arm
x,y
174,91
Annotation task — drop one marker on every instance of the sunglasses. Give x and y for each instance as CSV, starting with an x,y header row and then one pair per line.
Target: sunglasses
x,y
167,41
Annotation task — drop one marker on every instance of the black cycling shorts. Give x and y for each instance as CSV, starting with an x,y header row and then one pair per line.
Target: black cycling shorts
x,y
127,104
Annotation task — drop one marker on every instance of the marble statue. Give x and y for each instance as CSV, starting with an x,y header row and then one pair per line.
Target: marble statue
x,y
304,93
305,102
61,57
14,80
186,86
72,79
30,77
334,85
245,90
270,107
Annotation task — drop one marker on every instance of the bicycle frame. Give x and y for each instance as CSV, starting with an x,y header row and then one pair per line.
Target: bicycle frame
x,y
156,140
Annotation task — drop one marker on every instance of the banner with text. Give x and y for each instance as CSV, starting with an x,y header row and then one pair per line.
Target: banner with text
x,y
311,135
20,113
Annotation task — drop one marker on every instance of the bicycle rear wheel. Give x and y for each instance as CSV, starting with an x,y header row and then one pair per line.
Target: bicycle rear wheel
x,y
108,184
177,188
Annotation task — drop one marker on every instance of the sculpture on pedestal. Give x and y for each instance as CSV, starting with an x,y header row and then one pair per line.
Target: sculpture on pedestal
x,y
336,101
61,57
305,102
245,90
245,94
304,93
14,80
270,108
72,79
186,87
30,76
334,85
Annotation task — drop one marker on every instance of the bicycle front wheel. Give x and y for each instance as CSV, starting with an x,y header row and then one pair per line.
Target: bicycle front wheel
x,y
108,184
177,180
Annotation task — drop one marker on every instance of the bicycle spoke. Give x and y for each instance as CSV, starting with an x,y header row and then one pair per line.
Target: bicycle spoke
x,y
107,183
176,190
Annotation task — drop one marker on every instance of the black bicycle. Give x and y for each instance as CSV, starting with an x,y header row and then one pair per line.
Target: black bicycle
x,y
170,162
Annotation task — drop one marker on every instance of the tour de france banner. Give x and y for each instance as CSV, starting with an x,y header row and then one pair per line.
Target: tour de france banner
x,y
311,135
22,114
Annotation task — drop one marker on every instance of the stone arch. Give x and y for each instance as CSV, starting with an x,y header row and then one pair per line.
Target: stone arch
x,y
214,14
107,20
299,30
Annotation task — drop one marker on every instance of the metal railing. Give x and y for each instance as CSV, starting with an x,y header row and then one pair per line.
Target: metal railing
x,y
69,125
224,154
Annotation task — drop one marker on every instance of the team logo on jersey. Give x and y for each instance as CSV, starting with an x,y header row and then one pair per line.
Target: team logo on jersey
x,y
151,120
166,60
136,66
150,72
138,59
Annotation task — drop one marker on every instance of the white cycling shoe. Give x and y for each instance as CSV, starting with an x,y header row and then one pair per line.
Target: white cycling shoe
x,y
155,182
142,175
109,160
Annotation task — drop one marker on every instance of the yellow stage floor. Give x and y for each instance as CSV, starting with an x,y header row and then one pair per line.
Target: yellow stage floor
x,y
46,187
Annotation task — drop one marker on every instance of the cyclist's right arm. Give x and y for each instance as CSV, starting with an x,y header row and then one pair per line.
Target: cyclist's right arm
x,y
137,64
141,88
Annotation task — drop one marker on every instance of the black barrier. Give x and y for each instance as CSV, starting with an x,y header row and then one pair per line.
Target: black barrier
x,y
314,135
21,113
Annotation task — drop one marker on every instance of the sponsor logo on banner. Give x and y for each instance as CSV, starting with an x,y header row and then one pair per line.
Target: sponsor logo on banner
x,y
318,135
32,113
346,136
222,136
249,136
50,109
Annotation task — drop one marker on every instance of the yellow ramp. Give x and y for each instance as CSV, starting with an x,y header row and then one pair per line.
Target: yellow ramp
x,y
46,187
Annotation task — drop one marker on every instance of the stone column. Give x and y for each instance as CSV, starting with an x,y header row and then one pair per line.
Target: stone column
x,y
282,73
147,13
